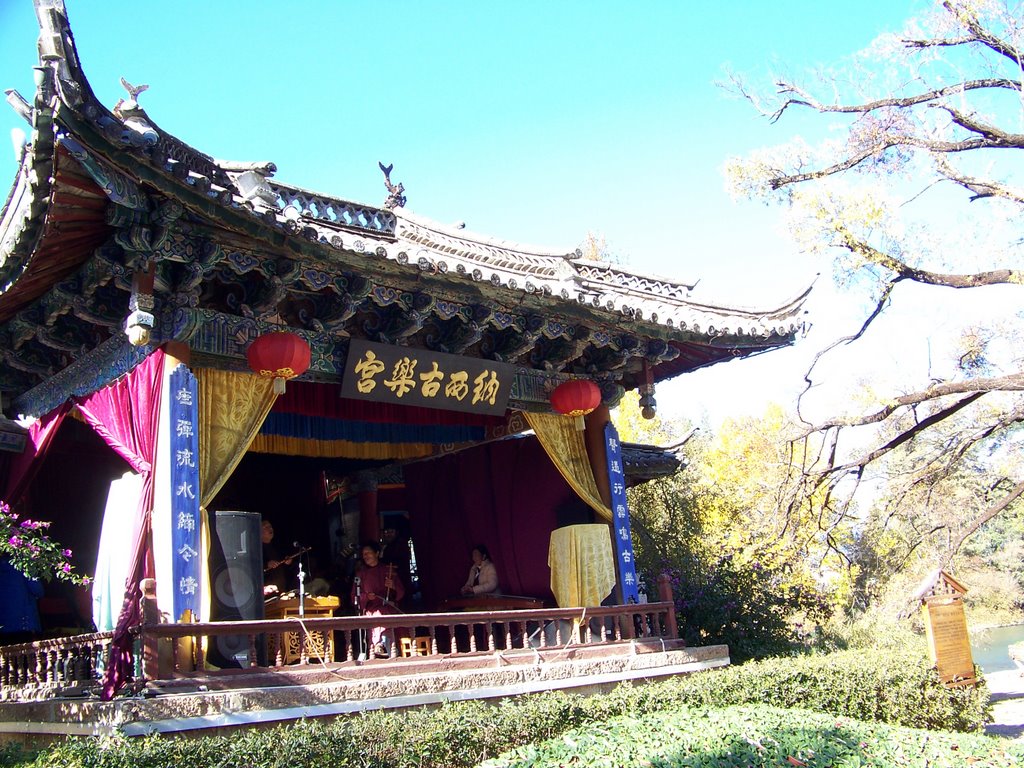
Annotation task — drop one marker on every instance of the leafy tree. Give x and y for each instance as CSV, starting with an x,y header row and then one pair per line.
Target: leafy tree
x,y
921,124
739,566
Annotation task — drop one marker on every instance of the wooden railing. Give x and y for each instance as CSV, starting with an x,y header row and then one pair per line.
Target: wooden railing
x,y
63,666
73,665
345,639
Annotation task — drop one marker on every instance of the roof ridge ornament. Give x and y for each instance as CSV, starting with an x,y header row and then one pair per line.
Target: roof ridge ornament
x,y
396,192
123,106
134,117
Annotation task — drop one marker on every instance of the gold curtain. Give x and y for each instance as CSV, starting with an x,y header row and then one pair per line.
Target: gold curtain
x,y
232,407
565,447
298,446
582,566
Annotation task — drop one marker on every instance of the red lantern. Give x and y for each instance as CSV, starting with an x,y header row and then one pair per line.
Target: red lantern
x,y
576,398
279,355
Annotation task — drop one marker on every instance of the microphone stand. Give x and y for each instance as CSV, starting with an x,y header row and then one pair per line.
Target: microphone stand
x,y
358,582
302,579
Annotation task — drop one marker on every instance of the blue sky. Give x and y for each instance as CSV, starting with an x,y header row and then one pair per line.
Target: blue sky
x,y
530,121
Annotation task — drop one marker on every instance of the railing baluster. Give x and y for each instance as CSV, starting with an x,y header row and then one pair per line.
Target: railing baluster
x,y
199,647
253,661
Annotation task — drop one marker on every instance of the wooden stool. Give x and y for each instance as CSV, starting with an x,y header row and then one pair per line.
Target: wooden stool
x,y
416,646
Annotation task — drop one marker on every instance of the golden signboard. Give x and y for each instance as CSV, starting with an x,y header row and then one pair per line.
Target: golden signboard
x,y
948,644
408,376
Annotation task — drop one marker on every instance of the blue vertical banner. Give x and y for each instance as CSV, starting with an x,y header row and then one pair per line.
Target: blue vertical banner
x,y
620,515
185,519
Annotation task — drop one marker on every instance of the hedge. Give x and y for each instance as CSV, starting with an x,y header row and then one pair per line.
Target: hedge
x,y
756,736
898,689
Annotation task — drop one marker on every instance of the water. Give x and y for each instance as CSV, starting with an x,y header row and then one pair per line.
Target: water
x,y
989,647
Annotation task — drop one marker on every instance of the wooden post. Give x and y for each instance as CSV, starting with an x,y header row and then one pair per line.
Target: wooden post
x,y
593,438
665,595
177,352
150,618
369,520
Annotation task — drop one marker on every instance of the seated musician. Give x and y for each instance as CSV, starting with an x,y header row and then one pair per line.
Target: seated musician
x,y
376,589
274,576
483,576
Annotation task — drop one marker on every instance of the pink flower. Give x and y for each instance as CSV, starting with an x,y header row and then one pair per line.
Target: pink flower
x,y
14,541
66,568
66,552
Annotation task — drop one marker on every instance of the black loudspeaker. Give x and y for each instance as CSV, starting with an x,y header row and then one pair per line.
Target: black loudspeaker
x,y
236,583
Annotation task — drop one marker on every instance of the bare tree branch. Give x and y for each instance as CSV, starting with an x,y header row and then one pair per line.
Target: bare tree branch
x,y
805,99
879,307
907,272
1012,382
909,434
995,137
980,34
987,515
980,188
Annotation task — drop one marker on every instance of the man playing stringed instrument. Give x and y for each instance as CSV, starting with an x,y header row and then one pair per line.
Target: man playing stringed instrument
x,y
275,575
376,589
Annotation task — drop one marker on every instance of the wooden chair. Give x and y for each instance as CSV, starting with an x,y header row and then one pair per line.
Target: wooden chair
x,y
414,646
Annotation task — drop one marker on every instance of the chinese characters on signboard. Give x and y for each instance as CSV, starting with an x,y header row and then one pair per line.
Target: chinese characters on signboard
x,y
185,524
407,376
620,516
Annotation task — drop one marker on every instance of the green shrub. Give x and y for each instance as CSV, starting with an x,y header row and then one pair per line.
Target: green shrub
x,y
891,688
753,736
899,687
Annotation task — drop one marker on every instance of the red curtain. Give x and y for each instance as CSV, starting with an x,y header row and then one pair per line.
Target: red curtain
x,y
24,466
505,495
126,415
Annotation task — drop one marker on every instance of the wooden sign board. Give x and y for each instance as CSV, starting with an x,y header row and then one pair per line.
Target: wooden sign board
x,y
948,644
408,376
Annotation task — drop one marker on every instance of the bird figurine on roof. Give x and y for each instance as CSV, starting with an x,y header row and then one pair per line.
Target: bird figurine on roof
x,y
396,196
133,97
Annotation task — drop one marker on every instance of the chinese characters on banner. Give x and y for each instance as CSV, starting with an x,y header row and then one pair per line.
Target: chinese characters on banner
x,y
408,376
620,515
185,526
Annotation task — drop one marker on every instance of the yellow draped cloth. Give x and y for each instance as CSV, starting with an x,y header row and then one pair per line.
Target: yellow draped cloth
x,y
582,567
565,447
580,556
232,407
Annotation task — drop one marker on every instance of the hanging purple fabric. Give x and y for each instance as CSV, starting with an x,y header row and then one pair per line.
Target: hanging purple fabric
x,y
24,466
505,495
126,415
